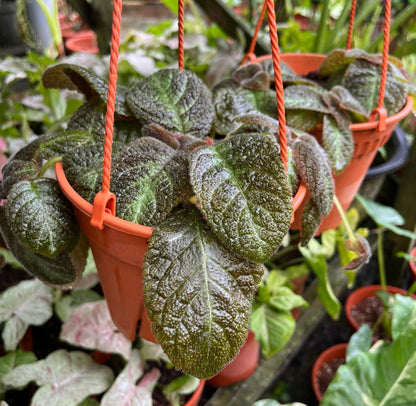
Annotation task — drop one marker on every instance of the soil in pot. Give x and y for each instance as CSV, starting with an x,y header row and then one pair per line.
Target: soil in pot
x,y
368,311
327,373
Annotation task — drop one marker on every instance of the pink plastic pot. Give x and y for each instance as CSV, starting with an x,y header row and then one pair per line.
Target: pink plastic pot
x,y
84,41
412,264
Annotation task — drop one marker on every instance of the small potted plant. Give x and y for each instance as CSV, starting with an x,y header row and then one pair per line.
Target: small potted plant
x,y
213,208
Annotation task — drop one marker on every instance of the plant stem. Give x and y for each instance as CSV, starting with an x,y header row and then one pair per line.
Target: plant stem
x,y
283,251
344,219
48,165
322,29
380,258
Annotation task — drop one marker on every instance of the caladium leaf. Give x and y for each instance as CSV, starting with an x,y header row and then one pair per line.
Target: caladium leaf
x,y
65,378
67,303
177,100
197,293
125,391
28,303
242,188
228,105
362,79
84,170
16,171
285,299
314,170
272,328
149,179
359,342
338,142
303,97
252,76
63,143
41,217
362,248
90,326
62,272
74,77
311,220
12,360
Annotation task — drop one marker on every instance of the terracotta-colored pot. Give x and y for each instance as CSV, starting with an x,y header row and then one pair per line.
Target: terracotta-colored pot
x,y
242,366
84,41
364,292
118,252
412,264
336,351
367,140
196,396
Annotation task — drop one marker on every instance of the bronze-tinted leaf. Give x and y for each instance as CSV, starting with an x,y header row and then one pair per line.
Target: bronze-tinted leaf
x,y
197,293
363,250
311,220
16,171
303,97
252,76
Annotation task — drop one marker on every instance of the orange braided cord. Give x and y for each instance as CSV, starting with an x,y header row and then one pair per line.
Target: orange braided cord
x,y
351,26
278,81
250,51
181,18
111,95
386,43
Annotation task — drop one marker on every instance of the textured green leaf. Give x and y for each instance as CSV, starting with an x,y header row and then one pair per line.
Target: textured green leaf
x,y
305,120
65,378
252,76
197,293
90,326
292,173
314,170
84,170
359,342
149,179
362,79
303,97
319,266
338,143
17,170
63,143
345,100
262,101
41,217
311,220
177,100
385,377
272,328
125,391
228,105
242,188
63,271
74,77
335,60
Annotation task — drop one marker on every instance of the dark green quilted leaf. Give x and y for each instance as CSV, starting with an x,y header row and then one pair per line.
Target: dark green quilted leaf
x,y
64,142
83,169
243,191
346,101
302,97
260,120
311,220
262,101
16,171
62,272
305,120
149,179
362,79
41,217
228,105
74,77
292,173
314,170
252,76
197,294
177,100
338,143
335,60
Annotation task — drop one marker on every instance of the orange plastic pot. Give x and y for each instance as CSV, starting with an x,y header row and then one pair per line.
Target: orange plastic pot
x,y
336,351
367,140
242,366
118,252
360,294
196,396
84,41
412,264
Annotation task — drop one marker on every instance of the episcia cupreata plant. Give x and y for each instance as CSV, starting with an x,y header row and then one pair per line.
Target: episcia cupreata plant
x,y
204,261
